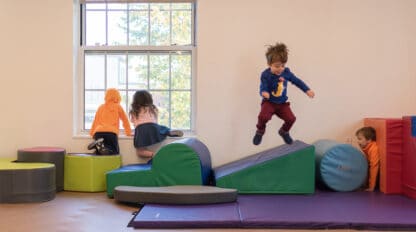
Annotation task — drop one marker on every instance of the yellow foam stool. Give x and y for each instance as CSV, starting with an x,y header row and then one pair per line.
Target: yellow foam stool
x,y
86,172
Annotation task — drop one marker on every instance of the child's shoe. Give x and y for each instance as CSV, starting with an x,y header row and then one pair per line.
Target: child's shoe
x,y
94,144
286,136
257,139
103,151
175,133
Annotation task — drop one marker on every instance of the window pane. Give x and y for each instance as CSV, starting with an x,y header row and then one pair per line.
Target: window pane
x,y
138,70
181,6
93,99
117,27
95,6
181,109
139,28
116,71
123,101
181,71
117,6
138,6
95,28
181,27
159,71
160,24
94,71
141,61
161,101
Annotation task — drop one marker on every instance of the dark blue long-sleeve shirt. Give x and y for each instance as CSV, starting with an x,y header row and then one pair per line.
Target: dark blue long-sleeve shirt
x,y
278,92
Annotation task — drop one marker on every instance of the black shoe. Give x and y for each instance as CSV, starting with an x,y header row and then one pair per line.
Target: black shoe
x,y
257,139
286,137
94,144
175,133
104,151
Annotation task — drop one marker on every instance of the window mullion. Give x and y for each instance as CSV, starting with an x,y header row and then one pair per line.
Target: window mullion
x,y
105,70
148,23
170,89
170,24
106,24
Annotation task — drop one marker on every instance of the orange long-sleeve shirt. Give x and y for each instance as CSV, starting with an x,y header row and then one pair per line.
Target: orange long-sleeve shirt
x,y
373,158
108,116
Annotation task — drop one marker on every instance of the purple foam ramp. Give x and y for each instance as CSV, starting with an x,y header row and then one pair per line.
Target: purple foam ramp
x,y
188,216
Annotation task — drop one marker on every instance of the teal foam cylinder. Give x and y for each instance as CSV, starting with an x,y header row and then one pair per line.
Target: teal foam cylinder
x,y
340,167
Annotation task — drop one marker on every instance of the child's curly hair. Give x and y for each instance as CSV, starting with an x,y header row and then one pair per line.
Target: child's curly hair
x,y
277,53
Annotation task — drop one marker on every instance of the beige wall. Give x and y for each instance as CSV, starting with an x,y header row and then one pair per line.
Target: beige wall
x,y
357,55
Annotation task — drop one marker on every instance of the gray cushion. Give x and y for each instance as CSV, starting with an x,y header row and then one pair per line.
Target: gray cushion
x,y
177,194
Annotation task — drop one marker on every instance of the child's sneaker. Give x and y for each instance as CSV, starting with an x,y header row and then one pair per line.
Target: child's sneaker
x,y
286,136
101,150
257,139
175,133
94,144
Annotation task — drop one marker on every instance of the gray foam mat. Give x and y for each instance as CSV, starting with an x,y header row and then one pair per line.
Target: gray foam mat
x,y
178,194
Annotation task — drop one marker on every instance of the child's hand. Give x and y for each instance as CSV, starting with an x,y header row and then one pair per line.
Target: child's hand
x,y
266,95
310,93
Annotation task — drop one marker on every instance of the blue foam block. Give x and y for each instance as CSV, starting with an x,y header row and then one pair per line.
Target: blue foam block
x,y
341,167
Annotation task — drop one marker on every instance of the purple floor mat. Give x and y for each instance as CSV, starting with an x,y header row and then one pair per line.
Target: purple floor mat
x,y
188,216
322,210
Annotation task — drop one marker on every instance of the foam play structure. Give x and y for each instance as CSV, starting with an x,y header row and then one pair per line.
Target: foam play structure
x,y
26,182
340,167
409,156
183,162
286,169
389,132
177,194
396,138
86,172
54,155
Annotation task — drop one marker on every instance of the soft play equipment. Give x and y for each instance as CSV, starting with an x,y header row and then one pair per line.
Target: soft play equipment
x,y
86,172
183,162
283,169
389,141
340,167
53,155
409,156
26,182
177,194
322,210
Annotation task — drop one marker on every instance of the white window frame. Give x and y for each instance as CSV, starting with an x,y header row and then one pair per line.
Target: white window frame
x,y
80,50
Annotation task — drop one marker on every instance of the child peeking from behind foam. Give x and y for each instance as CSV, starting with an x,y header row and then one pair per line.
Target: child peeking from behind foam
x,y
366,138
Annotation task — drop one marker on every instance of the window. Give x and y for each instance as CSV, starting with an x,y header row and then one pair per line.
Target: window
x,y
132,46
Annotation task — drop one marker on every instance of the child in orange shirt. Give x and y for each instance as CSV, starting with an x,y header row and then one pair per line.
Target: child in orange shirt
x,y
366,137
106,125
